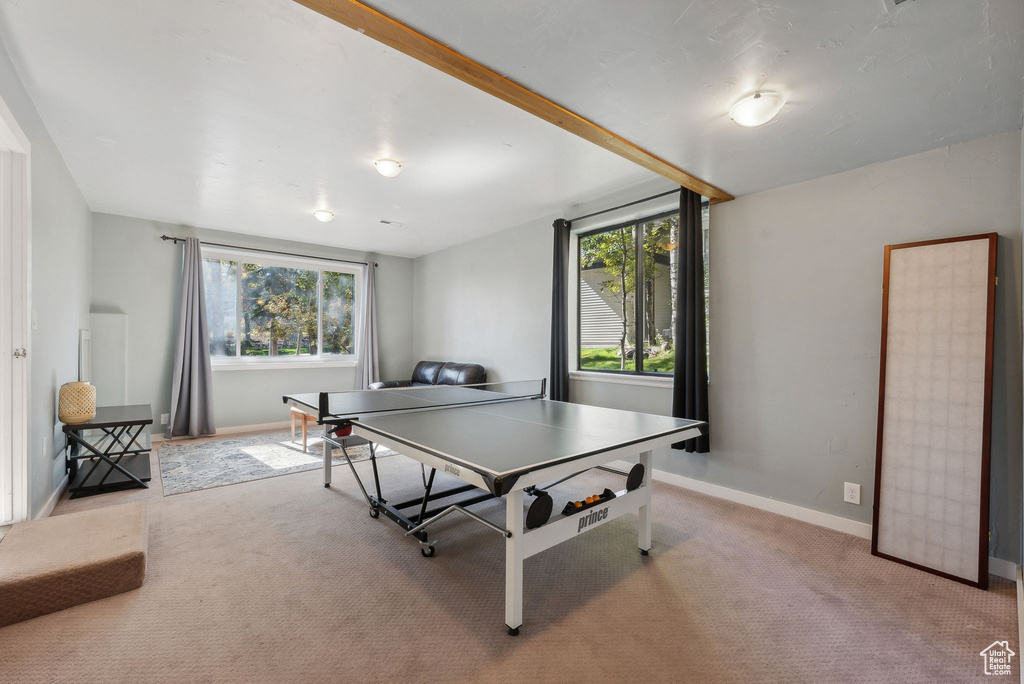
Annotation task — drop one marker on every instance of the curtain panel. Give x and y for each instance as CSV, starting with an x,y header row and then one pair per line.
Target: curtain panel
x,y
192,376
367,362
689,338
559,370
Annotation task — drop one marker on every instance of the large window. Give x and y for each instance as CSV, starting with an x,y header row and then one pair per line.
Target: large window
x,y
627,293
261,310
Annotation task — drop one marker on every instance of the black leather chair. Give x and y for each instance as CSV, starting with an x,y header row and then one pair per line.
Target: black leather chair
x,y
439,373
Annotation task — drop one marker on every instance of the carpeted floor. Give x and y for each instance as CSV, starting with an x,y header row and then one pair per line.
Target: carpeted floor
x,y
282,580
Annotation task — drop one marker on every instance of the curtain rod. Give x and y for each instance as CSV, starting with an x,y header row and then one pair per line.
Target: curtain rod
x,y
623,206
176,240
628,204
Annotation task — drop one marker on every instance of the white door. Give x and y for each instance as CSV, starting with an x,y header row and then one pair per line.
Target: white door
x,y
6,348
14,328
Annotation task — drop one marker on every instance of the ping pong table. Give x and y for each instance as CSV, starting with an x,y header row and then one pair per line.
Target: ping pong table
x,y
501,440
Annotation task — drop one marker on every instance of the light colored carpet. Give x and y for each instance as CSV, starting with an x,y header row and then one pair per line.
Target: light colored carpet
x,y
190,465
282,580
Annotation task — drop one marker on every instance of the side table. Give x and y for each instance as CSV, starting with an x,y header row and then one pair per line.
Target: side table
x,y
110,452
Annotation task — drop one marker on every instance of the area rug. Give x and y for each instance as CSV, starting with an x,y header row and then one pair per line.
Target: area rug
x,y
189,466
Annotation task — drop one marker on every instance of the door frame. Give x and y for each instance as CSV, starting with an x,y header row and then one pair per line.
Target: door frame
x,y
17,308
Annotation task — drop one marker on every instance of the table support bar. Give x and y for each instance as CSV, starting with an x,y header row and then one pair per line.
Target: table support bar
x,y
455,508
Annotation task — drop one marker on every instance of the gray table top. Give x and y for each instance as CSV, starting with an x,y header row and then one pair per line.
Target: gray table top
x,y
502,439
498,434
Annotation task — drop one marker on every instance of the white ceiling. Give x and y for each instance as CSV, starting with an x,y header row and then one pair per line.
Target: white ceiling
x,y
863,85
245,115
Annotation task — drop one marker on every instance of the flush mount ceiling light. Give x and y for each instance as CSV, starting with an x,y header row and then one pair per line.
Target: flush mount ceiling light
x,y
323,215
389,168
757,108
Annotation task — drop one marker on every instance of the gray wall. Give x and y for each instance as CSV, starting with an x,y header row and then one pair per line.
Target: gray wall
x,y
488,302
795,313
795,287
61,236
138,274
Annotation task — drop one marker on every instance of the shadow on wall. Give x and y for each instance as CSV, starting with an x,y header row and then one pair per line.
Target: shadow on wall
x,y
1006,457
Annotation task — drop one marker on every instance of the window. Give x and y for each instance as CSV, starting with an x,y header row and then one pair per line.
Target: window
x,y
261,310
627,292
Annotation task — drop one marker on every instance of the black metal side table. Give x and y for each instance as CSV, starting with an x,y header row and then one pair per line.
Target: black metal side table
x,y
110,452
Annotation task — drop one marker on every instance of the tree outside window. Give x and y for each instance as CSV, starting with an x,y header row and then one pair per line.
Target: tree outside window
x,y
267,310
615,311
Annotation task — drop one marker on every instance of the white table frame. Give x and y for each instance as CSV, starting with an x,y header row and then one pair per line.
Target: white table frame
x,y
523,543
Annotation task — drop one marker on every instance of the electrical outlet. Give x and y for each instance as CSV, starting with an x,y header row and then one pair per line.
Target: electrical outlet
x,y
851,493
165,418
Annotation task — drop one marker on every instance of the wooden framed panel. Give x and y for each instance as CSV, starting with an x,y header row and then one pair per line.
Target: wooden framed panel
x,y
935,407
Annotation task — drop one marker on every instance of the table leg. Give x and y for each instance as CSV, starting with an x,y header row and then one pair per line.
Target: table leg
x,y
327,457
514,561
305,447
644,532
293,426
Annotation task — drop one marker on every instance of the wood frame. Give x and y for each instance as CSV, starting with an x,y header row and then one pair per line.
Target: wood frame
x,y
986,444
407,40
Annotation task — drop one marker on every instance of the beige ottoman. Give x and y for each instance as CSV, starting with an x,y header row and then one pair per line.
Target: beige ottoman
x,y
61,561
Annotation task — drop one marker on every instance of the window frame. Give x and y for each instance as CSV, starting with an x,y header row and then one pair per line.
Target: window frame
x,y
239,362
639,314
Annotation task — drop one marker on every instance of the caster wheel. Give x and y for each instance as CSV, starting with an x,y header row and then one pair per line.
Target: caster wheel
x,y
374,513
427,551
327,484
513,631
644,552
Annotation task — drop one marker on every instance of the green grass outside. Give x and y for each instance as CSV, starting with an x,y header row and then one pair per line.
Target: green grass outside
x,y
607,358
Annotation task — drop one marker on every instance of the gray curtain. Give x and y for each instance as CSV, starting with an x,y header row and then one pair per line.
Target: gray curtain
x,y
367,366
690,386
559,370
192,383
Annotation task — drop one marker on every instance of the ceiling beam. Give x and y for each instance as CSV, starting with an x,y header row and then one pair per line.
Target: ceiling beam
x,y
397,35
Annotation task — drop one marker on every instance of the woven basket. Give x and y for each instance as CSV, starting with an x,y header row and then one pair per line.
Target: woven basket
x,y
77,403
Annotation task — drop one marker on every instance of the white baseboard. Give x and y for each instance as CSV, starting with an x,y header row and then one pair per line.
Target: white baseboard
x,y
237,429
1002,568
1020,616
996,566
832,522
51,503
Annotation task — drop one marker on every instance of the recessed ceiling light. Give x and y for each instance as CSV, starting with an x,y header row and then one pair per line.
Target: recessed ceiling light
x,y
323,215
389,168
757,108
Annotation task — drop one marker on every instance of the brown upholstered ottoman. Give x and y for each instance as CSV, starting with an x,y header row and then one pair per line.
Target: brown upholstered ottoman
x,y
61,561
